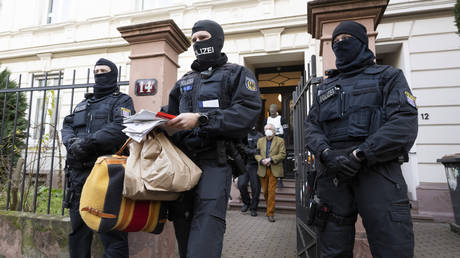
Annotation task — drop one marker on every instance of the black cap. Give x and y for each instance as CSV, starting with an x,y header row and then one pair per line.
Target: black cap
x,y
355,29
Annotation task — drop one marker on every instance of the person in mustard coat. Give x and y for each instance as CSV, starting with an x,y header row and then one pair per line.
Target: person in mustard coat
x,y
272,152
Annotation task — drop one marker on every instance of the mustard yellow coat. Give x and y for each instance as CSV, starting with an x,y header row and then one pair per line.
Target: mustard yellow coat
x,y
277,153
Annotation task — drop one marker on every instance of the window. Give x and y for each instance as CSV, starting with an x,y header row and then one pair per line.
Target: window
x,y
59,11
49,110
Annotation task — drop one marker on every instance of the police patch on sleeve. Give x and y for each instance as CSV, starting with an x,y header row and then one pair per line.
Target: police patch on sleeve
x,y
410,99
125,112
250,84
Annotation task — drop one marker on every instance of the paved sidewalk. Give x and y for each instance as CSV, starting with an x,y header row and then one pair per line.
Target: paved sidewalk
x,y
248,237
435,240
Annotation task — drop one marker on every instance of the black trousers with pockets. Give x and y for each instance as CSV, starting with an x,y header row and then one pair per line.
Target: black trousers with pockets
x,y
200,227
379,195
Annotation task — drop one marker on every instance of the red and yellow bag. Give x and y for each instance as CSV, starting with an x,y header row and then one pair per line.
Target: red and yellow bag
x,y
103,208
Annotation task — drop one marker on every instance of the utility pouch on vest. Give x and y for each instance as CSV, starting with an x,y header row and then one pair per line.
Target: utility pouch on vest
x,y
322,215
330,101
79,116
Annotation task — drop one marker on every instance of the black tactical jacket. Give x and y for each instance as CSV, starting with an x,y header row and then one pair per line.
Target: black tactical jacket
x,y
373,110
228,94
100,121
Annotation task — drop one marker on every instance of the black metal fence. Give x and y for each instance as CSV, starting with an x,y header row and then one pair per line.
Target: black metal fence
x,y
304,160
31,151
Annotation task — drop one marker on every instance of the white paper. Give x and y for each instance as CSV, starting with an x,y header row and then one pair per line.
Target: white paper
x,y
140,124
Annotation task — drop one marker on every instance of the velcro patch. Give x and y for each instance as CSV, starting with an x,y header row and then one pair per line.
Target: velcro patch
x,y
410,99
125,112
80,108
185,82
186,88
323,96
251,84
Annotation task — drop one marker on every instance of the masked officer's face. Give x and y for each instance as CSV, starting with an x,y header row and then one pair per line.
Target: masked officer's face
x,y
341,37
100,69
201,35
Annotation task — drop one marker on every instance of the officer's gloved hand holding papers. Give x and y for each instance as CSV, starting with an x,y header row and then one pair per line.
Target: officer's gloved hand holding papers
x,y
140,124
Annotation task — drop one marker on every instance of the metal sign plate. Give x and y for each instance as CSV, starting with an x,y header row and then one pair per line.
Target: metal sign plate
x,y
146,87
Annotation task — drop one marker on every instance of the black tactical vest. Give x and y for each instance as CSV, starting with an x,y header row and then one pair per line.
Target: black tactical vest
x,y
206,91
92,114
351,108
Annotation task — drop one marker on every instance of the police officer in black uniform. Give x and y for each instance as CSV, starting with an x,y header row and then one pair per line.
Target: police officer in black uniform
x,y
216,104
92,130
361,127
250,150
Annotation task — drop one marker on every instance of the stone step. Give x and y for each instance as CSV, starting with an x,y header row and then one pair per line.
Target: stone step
x,y
289,183
263,207
416,217
286,194
287,200
281,201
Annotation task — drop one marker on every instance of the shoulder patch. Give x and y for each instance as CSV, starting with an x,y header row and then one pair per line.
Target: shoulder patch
x,y
125,112
410,99
80,107
250,84
187,81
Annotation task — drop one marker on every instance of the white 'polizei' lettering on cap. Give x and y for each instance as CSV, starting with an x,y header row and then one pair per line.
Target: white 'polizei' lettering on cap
x,y
204,51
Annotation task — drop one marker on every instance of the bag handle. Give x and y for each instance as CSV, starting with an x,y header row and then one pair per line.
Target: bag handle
x,y
152,134
124,146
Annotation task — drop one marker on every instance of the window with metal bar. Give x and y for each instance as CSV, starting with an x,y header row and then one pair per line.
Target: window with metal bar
x,y
52,79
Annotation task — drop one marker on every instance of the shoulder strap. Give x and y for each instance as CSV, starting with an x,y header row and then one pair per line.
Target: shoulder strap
x,y
226,91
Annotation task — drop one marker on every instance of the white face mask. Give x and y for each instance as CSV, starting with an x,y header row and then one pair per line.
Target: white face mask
x,y
268,133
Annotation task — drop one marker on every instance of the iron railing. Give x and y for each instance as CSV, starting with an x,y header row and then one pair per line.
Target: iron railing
x,y
304,160
36,156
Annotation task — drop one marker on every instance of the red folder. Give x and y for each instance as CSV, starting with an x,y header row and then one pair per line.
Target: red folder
x,y
165,115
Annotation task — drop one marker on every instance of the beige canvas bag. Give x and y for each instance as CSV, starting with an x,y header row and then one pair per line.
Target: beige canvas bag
x,y
157,170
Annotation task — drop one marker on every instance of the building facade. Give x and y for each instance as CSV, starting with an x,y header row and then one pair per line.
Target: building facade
x,y
270,38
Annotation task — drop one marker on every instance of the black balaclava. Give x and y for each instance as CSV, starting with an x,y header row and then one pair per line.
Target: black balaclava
x,y
106,83
352,54
208,52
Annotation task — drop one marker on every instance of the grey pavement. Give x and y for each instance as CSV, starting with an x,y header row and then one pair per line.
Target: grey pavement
x,y
435,240
248,237
256,237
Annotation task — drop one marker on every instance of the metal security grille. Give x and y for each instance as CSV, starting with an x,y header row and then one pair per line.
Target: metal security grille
x,y
32,157
304,161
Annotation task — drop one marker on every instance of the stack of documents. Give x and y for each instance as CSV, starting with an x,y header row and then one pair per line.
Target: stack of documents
x,y
140,124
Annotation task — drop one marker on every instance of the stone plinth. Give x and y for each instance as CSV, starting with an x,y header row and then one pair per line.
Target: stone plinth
x,y
155,49
325,15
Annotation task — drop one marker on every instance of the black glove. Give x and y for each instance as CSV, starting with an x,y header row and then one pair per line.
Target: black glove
x,y
340,162
349,165
70,142
330,159
80,149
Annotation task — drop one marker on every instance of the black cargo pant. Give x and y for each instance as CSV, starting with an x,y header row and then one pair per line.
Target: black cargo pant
x,y
115,242
199,216
379,195
243,180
